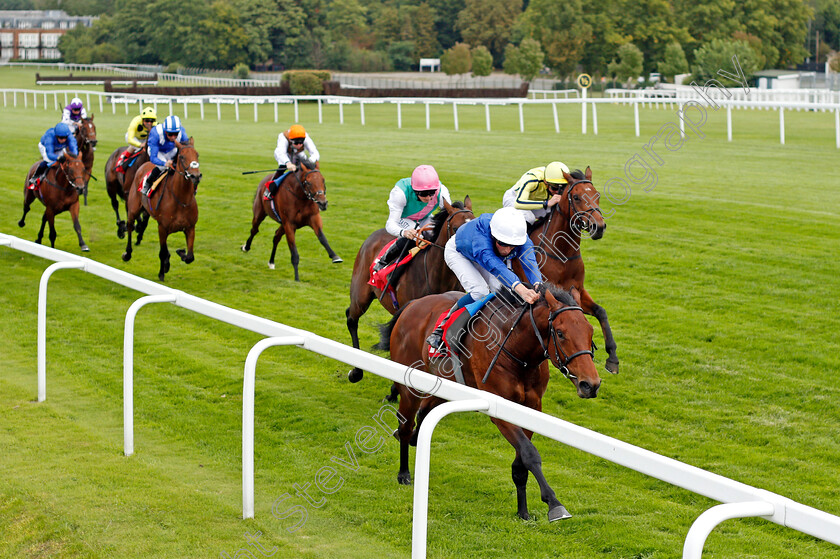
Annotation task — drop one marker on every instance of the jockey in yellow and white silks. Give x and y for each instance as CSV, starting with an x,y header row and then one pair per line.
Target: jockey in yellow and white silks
x,y
537,191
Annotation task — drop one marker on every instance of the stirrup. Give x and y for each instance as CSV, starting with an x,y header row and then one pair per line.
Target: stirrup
x,y
435,339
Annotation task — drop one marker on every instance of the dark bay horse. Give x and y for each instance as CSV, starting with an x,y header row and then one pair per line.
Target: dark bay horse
x,y
172,204
298,202
117,184
59,192
427,273
557,243
555,329
86,139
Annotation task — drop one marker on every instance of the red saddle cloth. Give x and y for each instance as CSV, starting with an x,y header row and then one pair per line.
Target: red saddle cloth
x,y
434,352
379,276
140,184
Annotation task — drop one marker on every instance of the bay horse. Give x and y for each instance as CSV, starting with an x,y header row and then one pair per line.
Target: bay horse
x,y
298,202
556,329
59,192
172,204
426,274
86,139
557,246
117,184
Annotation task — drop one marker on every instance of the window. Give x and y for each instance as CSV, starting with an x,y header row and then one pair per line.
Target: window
x,y
49,39
28,40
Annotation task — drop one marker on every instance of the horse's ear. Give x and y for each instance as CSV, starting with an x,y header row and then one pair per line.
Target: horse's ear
x,y
588,173
574,290
553,303
191,142
91,116
468,203
447,206
568,177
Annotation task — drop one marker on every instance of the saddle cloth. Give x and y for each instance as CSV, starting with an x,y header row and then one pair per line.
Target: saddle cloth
x,y
154,184
455,327
379,276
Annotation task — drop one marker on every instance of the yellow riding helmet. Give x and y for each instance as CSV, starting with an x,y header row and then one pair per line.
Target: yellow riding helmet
x,y
554,173
149,112
297,131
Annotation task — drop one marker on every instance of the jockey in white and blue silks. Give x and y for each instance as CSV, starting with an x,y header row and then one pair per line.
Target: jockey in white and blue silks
x,y
480,255
162,148
73,113
54,143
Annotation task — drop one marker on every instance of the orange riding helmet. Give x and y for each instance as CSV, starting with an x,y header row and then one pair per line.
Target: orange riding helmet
x,y
297,131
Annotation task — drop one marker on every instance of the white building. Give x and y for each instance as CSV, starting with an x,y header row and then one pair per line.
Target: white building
x,y
33,34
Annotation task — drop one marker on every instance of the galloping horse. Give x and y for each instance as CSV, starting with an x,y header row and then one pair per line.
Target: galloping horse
x,y
427,273
59,191
117,184
86,139
298,202
557,243
555,329
172,204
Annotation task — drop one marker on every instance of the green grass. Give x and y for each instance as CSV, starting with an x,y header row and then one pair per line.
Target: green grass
x,y
721,285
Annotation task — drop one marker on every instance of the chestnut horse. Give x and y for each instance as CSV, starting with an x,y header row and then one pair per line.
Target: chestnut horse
x,y
86,139
557,244
117,184
172,204
427,274
298,202
59,192
556,328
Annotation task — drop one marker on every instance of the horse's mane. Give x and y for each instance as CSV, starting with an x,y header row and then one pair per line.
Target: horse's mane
x,y
440,218
560,294
578,175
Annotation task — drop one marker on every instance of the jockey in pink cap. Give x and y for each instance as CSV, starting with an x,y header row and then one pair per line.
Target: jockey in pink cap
x,y
411,204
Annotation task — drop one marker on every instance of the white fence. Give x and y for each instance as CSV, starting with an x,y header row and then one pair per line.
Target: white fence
x,y
739,500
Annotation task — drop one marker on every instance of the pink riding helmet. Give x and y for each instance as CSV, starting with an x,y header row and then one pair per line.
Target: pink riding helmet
x,y
424,177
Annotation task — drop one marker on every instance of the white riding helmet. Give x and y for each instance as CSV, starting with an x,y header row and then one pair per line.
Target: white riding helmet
x,y
508,225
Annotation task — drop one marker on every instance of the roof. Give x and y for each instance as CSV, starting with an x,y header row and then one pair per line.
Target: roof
x,y
776,74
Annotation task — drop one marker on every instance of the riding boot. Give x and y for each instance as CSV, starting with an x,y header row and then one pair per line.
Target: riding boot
x,y
150,180
36,177
393,253
435,339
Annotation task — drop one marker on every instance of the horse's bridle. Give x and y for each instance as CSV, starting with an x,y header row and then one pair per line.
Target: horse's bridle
x,y
71,180
449,221
84,135
573,211
555,337
195,179
304,184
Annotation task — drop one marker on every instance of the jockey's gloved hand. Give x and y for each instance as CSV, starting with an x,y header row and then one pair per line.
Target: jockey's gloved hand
x,y
62,158
291,166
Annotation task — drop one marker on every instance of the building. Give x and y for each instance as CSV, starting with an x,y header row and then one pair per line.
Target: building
x,y
33,35
777,79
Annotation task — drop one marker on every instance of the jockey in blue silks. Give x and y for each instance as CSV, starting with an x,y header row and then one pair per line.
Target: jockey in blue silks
x,y
53,145
480,254
162,149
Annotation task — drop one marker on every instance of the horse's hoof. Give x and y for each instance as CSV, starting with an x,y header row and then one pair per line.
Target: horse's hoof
x,y
121,234
244,248
188,258
21,223
612,366
524,515
160,276
404,478
355,375
271,265
84,248
126,257
337,259
393,397
558,513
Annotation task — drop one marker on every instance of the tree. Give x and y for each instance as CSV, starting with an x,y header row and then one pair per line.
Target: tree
x,y
674,62
346,18
446,14
482,61
525,60
827,22
456,60
629,63
560,29
489,23
717,55
418,23
401,54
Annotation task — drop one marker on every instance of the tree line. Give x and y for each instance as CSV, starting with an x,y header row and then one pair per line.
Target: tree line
x,y
602,37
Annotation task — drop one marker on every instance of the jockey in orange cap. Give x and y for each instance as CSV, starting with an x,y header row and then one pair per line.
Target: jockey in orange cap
x,y
290,150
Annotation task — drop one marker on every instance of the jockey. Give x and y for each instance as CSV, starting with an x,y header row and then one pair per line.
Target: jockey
x,y
162,149
53,145
411,204
138,131
73,113
290,148
537,191
480,255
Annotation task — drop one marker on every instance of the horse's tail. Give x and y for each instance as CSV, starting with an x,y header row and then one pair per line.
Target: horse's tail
x,y
385,331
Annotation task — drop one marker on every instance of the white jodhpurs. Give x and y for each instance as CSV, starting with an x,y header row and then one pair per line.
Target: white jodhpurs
x,y
475,280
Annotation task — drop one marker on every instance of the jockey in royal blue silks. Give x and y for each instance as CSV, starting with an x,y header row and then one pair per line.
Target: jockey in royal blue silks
x,y
54,143
480,254
162,149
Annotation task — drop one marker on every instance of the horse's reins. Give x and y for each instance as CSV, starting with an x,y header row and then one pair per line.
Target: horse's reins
x,y
572,212
70,181
307,195
189,176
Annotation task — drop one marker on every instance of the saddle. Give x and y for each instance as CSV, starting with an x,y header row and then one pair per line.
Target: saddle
x,y
453,331
155,184
276,180
379,273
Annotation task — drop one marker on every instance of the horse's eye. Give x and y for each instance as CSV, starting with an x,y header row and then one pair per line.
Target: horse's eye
x,y
577,198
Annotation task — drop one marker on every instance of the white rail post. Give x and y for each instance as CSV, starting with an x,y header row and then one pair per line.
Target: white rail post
x,y
100,101
636,116
42,322
729,123
487,115
218,109
427,115
682,120
594,118
320,113
297,116
201,107
837,127
87,98
556,121
170,106
782,125
583,112
255,111
128,366
341,112
248,417
186,114
275,111
421,468
521,119
362,111
706,522
399,115
236,106
455,114
55,98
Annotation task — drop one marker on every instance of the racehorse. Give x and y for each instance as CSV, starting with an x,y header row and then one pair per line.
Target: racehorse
x,y
172,204
86,139
514,367
426,274
117,184
59,192
557,244
298,202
